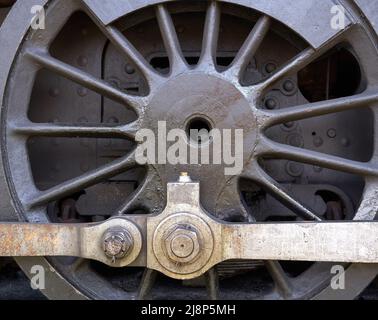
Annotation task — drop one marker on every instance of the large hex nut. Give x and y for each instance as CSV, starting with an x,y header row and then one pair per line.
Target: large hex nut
x,y
182,243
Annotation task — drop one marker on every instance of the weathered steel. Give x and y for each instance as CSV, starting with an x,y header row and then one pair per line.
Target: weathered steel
x,y
184,242
305,16
301,241
300,16
76,240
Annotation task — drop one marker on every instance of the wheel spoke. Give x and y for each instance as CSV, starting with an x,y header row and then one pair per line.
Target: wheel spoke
x,y
60,130
171,42
270,149
230,204
145,197
85,79
270,118
132,54
212,284
250,46
210,35
147,283
84,181
296,64
280,278
258,175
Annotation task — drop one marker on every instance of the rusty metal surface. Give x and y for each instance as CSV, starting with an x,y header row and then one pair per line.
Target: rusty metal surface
x,y
76,240
184,242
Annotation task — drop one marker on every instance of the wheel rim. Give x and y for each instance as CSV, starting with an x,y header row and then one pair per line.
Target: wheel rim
x,y
263,147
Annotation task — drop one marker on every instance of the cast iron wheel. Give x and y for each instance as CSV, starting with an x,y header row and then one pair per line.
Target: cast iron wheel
x,y
180,62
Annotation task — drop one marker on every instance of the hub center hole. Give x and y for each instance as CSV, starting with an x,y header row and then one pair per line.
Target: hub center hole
x,y
198,130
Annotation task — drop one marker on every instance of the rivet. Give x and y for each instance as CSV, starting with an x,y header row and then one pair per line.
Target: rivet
x,y
270,67
331,133
318,169
288,86
129,69
294,169
270,103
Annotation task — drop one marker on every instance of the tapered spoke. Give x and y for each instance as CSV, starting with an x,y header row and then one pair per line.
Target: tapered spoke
x,y
280,278
85,79
250,46
77,184
212,284
146,196
171,42
296,64
256,174
147,283
231,203
60,130
211,35
269,118
271,149
132,54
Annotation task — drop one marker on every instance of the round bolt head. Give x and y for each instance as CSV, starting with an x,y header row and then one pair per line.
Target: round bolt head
x,y
182,244
270,103
270,67
117,243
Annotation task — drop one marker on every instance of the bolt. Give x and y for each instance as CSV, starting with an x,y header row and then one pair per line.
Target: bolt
x,y
270,103
270,67
288,86
129,69
182,244
294,169
117,243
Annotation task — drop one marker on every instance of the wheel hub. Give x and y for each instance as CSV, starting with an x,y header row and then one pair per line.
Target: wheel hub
x,y
201,101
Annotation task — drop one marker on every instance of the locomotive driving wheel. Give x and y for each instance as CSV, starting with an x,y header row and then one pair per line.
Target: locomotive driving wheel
x,y
76,92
